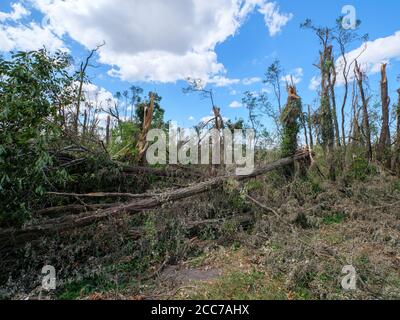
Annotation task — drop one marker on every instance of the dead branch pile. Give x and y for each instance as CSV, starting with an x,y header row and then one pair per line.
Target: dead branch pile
x,y
13,237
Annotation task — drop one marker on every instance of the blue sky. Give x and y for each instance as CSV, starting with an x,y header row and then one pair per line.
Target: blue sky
x,y
238,48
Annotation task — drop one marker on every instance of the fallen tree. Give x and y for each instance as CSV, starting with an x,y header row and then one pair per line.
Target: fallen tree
x,y
13,237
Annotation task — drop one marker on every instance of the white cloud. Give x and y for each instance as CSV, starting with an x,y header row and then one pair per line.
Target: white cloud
x,y
250,81
97,96
99,99
191,118
315,82
221,81
15,35
274,20
372,54
28,37
296,75
235,104
158,40
17,13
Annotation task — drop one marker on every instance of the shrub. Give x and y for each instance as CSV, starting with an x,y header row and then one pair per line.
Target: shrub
x,y
32,86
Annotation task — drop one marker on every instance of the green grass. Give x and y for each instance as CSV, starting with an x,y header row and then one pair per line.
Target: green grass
x,y
77,289
336,218
252,285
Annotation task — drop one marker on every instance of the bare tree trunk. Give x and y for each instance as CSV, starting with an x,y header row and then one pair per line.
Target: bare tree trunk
x,y
384,141
396,156
346,93
366,124
108,131
310,132
81,79
332,82
85,122
147,121
327,123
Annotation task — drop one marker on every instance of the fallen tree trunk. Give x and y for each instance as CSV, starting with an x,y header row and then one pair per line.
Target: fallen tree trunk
x,y
72,209
160,172
61,225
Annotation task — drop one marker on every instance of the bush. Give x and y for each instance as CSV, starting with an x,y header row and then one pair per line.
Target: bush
x,y
32,85
360,169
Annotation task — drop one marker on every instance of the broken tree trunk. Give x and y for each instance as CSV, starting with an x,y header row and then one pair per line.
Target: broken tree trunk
x,y
384,141
147,121
13,237
396,156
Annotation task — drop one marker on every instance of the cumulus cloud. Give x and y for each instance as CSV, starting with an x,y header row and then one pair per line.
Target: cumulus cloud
x,y
98,99
15,35
158,40
222,81
17,13
29,37
296,76
274,20
372,54
97,96
235,104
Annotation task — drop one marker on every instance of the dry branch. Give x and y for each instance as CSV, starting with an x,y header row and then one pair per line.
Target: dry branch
x,y
61,225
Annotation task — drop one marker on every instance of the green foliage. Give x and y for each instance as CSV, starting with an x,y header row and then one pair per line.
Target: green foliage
x,y
326,123
290,120
32,86
336,218
77,289
253,185
124,137
361,169
396,186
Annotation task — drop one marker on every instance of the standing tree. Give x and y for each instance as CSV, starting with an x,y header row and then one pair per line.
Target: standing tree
x,y
290,119
273,78
136,92
366,128
384,140
344,37
396,156
326,115
81,78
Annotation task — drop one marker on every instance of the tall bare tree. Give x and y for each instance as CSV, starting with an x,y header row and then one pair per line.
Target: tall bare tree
x,y
366,128
81,80
396,156
384,140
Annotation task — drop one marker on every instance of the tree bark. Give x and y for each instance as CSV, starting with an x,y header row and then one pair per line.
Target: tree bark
x,y
396,156
142,144
384,141
108,136
366,124
310,132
